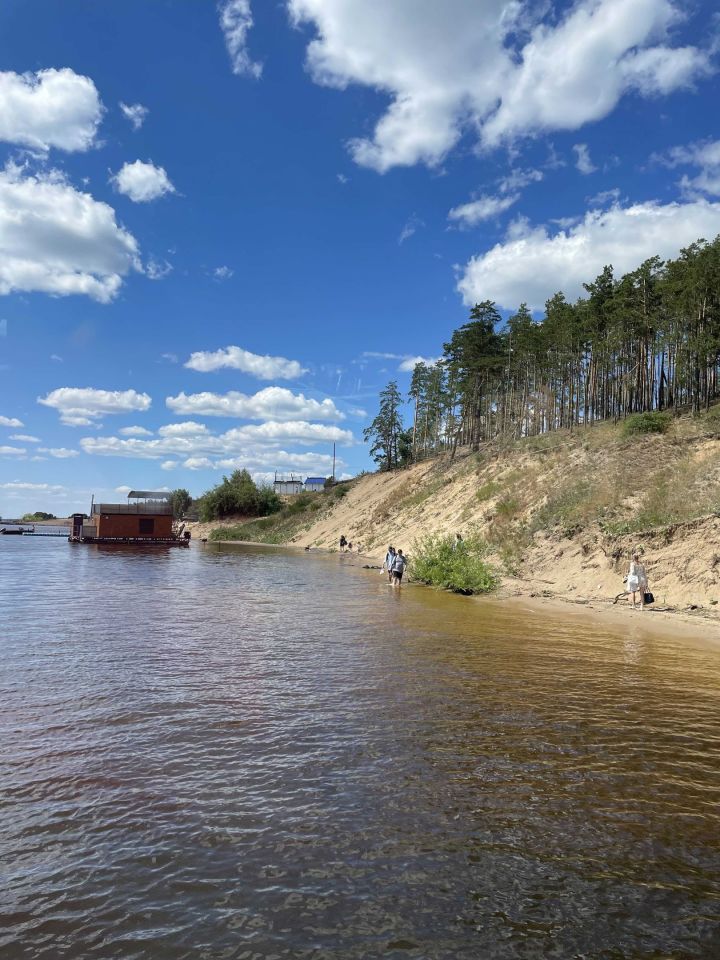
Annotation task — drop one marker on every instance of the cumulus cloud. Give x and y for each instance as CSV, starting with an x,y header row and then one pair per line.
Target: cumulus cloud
x,y
50,108
189,428
496,69
11,422
60,453
235,358
577,71
79,406
57,240
7,451
194,446
135,113
582,159
235,21
532,263
703,155
272,403
484,208
24,438
142,181
135,432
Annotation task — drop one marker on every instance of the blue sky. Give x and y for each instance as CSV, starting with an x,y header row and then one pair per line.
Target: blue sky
x,y
300,197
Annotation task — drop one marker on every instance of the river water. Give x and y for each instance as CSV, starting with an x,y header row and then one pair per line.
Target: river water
x,y
236,752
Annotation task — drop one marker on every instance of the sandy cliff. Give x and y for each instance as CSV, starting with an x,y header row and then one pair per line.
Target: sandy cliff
x,y
562,513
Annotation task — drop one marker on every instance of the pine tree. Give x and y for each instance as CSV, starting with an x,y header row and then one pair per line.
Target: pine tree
x,y
385,431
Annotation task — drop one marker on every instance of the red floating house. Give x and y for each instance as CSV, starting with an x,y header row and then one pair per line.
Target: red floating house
x,y
146,518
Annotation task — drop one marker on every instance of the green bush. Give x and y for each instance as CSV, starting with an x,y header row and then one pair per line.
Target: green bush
x,y
437,561
641,423
238,494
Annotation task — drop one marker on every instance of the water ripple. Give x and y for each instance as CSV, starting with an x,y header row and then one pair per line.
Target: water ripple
x,y
240,753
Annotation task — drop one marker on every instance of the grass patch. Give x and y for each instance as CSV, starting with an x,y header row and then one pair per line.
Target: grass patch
x,y
438,562
296,516
638,424
507,508
487,491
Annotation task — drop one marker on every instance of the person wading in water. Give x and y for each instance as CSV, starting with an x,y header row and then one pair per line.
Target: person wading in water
x,y
387,565
398,568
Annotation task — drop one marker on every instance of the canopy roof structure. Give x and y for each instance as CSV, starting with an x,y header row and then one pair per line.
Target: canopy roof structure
x,y
149,495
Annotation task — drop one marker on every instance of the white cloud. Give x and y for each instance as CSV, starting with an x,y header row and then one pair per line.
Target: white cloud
x,y
704,155
236,21
157,269
299,431
56,359
123,489
22,485
79,406
316,463
582,159
235,358
24,438
484,208
408,364
168,464
604,197
223,273
135,113
7,451
274,403
57,240
50,108
198,463
577,72
256,443
189,428
142,181
135,432
410,229
518,179
491,68
60,453
11,422
533,264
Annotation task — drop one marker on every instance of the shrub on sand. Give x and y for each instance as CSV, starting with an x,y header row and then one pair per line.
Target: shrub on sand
x,y
461,568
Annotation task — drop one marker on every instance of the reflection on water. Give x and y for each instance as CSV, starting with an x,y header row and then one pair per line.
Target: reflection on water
x,y
240,753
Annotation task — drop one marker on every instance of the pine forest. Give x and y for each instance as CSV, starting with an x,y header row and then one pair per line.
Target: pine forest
x,y
647,341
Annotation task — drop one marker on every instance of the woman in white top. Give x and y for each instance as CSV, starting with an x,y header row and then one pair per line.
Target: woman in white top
x,y
637,581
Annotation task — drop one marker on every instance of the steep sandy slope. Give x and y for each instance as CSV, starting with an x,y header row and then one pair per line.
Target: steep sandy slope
x,y
562,513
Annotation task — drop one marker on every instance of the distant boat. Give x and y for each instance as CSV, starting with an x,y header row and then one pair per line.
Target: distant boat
x,y
15,533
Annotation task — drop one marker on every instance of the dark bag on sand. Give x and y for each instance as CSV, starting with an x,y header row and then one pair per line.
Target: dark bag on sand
x,y
648,597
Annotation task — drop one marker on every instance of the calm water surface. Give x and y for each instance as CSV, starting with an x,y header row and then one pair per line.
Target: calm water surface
x,y
241,753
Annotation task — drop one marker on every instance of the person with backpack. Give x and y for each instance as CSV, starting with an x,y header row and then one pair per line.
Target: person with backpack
x,y
398,568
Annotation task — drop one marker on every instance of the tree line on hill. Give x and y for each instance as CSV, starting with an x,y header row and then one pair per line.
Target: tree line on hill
x,y
646,341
